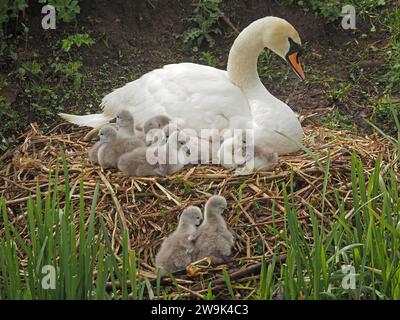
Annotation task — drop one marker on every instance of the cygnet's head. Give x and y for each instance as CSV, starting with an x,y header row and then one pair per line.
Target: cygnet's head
x,y
169,129
216,205
233,152
107,134
283,39
192,216
124,119
178,140
269,155
156,122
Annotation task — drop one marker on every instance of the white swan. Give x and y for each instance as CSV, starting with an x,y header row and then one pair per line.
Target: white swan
x,y
207,98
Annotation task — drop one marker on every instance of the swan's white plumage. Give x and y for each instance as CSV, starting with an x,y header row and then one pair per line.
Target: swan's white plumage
x,y
89,120
203,97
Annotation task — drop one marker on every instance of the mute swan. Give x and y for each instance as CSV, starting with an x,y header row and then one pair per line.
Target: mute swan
x,y
112,148
176,251
126,126
156,122
157,159
207,98
213,239
241,153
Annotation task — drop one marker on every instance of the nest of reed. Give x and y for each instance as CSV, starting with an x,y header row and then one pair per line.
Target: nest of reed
x,y
149,207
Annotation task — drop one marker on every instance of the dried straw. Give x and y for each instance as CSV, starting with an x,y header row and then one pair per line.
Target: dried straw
x,y
149,207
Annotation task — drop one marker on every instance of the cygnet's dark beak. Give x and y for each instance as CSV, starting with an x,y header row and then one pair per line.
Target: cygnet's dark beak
x,y
186,149
200,222
95,139
113,120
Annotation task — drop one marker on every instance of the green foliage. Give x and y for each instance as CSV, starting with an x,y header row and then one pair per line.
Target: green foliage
x,y
266,62
32,67
383,113
268,68
205,18
55,223
9,119
67,10
364,236
10,9
209,59
391,78
331,10
70,70
77,40
337,120
340,93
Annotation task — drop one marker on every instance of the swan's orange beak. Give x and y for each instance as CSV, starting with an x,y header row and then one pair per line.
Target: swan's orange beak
x,y
293,60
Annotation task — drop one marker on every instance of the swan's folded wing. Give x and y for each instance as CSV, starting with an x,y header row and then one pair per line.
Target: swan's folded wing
x,y
200,95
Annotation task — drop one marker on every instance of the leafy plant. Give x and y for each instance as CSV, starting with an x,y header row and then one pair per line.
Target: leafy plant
x,y
337,120
340,93
266,62
32,67
391,78
209,59
383,113
331,10
67,10
70,70
9,119
10,9
77,40
205,17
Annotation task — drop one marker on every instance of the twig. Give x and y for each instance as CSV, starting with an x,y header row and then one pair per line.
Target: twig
x,y
230,24
256,268
115,199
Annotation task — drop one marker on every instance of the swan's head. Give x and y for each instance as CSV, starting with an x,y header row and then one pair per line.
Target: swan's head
x,y
230,154
215,205
178,141
107,134
156,122
124,119
192,216
283,39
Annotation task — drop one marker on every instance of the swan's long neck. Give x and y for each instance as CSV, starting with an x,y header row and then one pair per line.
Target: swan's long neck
x,y
243,57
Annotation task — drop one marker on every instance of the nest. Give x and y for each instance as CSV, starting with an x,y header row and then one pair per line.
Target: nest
x,y
149,207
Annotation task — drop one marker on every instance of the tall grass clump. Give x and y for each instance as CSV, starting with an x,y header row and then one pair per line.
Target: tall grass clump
x,y
350,251
70,241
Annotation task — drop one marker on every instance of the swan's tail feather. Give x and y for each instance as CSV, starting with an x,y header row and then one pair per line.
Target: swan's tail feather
x,y
90,120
